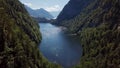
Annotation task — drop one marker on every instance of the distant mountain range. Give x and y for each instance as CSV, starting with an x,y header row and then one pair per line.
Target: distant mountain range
x,y
55,13
42,13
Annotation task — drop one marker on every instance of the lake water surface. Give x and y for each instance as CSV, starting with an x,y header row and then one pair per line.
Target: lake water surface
x,y
59,48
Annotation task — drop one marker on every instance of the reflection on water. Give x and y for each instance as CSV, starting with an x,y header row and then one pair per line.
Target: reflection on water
x,y
57,47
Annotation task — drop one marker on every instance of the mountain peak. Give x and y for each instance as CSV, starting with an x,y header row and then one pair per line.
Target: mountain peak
x,y
42,13
42,9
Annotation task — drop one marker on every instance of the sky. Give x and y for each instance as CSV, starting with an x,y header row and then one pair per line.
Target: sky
x,y
49,5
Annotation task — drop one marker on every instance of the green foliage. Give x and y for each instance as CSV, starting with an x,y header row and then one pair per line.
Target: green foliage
x,y
101,48
97,28
19,38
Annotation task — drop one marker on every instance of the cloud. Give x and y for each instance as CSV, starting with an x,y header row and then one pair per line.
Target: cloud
x,y
53,8
28,4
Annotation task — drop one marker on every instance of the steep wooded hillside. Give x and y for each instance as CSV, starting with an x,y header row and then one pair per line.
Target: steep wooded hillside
x,y
72,9
98,28
19,38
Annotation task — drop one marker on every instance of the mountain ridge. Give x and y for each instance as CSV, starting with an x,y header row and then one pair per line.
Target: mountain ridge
x,y
72,9
39,13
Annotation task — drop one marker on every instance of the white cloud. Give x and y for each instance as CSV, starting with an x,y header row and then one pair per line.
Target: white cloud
x,y
28,4
53,8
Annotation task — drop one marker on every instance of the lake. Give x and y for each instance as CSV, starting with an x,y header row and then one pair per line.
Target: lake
x,y
59,48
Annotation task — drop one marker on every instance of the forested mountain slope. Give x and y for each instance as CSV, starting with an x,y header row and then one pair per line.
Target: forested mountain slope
x,y
72,9
98,28
96,13
19,38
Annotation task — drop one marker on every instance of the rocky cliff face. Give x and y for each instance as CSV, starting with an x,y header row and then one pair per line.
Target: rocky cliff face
x,y
19,38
